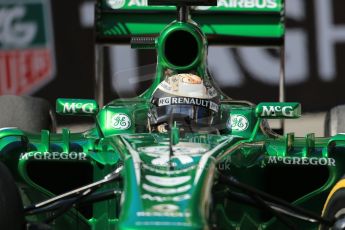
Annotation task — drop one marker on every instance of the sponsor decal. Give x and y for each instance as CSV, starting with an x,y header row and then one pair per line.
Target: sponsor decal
x,y
165,172
54,156
166,199
273,111
259,4
181,149
167,210
238,123
116,4
166,191
163,223
301,160
214,106
164,101
75,107
166,214
164,160
167,181
165,207
121,121
27,59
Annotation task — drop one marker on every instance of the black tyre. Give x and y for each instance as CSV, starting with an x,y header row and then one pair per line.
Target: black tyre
x,y
335,121
11,207
26,113
335,205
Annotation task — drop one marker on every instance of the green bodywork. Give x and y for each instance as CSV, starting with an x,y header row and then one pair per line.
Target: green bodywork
x,y
228,23
159,191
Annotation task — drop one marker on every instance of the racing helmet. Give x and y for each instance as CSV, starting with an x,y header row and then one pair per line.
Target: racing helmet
x,y
185,99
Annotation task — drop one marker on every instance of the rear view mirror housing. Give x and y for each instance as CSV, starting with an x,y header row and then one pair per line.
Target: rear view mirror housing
x,y
278,110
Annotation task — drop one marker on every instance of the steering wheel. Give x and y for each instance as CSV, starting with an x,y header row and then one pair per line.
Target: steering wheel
x,y
182,120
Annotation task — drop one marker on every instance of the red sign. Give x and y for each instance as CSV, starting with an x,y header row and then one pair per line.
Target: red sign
x,y
23,70
26,46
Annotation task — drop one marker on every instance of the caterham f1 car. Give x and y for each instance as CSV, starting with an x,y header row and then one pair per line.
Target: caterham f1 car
x,y
183,155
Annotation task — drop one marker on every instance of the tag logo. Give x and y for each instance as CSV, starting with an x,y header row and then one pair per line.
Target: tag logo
x,y
121,121
239,123
26,46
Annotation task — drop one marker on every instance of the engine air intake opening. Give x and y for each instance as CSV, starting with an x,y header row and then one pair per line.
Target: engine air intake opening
x,y
181,48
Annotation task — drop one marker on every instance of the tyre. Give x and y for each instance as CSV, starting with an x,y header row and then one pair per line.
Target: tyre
x,y
335,121
26,113
334,207
11,207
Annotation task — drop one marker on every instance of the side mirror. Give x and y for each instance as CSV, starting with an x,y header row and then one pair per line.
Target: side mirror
x,y
82,107
278,110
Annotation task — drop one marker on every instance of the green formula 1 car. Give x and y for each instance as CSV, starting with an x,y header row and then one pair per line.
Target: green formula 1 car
x,y
183,155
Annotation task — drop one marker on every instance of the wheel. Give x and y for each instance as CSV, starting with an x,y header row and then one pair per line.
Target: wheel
x,y
334,207
11,207
335,121
26,113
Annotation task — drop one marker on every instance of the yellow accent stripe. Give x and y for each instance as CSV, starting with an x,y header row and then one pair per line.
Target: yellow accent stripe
x,y
339,185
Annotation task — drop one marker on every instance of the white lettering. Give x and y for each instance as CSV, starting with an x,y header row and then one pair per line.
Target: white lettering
x,y
271,111
301,161
323,161
287,160
168,198
260,4
272,4
168,181
164,101
313,161
87,108
268,111
69,108
272,160
64,156
287,111
223,3
168,191
73,107
331,162
134,3
278,108
296,160
305,161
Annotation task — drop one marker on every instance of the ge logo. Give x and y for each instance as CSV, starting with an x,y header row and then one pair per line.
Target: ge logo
x,y
121,121
116,4
239,123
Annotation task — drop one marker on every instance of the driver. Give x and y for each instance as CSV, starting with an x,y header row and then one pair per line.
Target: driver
x,y
185,99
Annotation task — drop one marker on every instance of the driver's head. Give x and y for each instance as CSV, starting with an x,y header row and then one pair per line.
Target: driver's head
x,y
185,99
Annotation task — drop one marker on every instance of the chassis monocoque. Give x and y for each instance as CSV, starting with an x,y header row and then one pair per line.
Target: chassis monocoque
x,y
125,174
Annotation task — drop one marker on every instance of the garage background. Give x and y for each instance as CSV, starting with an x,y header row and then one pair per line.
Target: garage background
x,y
315,58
